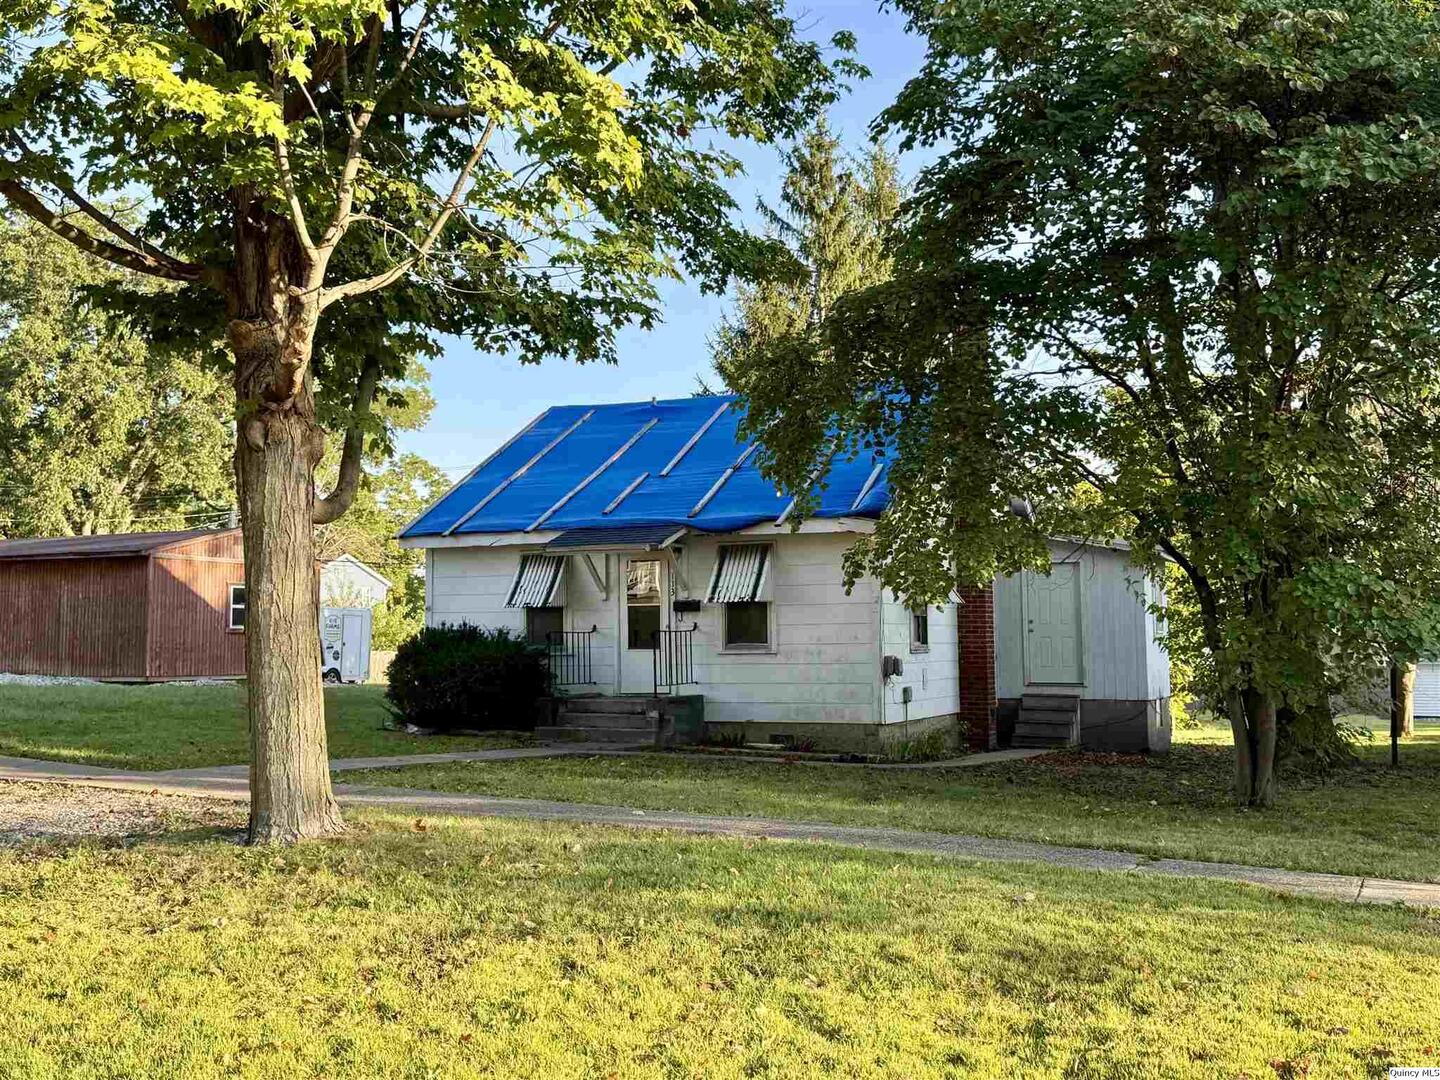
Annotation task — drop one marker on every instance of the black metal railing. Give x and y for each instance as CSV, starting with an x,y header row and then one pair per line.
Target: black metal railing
x,y
674,658
570,657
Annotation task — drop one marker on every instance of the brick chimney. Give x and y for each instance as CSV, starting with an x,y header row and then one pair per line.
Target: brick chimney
x,y
975,616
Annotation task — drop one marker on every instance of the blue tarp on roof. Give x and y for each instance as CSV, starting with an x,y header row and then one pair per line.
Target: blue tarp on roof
x,y
541,468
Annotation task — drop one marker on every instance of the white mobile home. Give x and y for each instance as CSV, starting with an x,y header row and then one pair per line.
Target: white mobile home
x,y
640,543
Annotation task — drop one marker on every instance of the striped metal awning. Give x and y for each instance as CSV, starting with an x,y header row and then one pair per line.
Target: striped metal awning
x,y
536,581
739,573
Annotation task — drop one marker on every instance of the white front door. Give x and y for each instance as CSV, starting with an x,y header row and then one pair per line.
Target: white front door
x,y
1053,640
644,610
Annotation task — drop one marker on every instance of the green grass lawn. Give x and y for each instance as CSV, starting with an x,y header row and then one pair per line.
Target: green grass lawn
x,y
1366,820
497,949
177,727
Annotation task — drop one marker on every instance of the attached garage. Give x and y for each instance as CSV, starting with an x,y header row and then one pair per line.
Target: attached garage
x,y
128,607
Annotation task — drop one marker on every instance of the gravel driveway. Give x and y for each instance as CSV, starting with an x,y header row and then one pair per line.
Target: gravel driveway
x,y
62,812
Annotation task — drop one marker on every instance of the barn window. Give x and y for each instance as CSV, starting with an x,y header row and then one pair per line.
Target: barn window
x,y
237,607
920,630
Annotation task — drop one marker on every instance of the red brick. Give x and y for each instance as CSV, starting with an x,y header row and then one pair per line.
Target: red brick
x,y
975,622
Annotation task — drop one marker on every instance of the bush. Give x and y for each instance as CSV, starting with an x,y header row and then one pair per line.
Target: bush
x,y
453,678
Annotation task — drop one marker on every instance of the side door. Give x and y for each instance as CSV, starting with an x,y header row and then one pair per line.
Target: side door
x,y
1054,645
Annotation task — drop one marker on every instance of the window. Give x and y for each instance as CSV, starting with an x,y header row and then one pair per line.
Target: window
x,y
643,596
920,630
747,623
237,607
541,621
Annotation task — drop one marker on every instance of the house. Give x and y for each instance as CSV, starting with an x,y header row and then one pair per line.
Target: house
x,y
641,544
345,581
137,606
132,606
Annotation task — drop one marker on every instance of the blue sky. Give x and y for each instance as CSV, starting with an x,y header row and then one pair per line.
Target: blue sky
x,y
481,399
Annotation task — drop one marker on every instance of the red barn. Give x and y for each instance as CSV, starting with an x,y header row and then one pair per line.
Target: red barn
x,y
132,606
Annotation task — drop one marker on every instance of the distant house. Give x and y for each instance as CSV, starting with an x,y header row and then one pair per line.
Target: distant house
x,y
642,545
137,606
348,582
132,606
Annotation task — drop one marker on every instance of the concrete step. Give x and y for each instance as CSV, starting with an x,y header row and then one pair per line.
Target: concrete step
x,y
605,720
1046,730
631,706
623,736
1049,702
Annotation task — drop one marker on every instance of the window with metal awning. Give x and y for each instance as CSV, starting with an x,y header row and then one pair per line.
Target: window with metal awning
x,y
739,576
537,582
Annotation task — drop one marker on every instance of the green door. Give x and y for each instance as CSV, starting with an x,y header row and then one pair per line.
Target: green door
x,y
1053,641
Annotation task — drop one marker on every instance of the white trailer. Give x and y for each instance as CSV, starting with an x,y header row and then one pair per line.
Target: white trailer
x,y
345,644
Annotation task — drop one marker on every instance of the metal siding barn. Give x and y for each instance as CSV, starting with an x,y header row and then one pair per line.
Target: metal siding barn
x,y
134,606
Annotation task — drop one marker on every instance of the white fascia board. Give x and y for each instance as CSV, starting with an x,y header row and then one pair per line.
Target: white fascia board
x,y
518,538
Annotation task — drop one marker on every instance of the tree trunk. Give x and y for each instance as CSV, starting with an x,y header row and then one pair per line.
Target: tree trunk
x,y
1263,787
1254,727
1406,699
1244,759
278,445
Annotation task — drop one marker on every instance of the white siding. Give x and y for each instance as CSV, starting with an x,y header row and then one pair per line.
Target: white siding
x,y
1122,659
1427,690
933,676
471,584
824,661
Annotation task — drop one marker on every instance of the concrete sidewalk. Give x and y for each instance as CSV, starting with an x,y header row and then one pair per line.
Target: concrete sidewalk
x,y
230,782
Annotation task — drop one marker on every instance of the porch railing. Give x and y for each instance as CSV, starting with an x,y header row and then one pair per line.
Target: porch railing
x,y
570,655
674,658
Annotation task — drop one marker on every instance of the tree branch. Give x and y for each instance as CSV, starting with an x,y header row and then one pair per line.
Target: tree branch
x,y
339,500
378,281
153,263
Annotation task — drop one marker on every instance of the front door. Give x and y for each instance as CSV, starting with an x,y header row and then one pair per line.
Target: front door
x,y
643,612
1052,627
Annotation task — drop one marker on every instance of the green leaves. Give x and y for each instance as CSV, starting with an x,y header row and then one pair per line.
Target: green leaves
x,y
1180,258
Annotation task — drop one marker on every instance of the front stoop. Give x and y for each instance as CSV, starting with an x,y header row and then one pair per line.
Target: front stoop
x,y
626,720
1047,720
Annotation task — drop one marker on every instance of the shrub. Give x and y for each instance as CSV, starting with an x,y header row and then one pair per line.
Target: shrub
x,y
450,678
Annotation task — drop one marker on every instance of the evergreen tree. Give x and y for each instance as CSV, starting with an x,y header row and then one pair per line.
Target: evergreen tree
x,y
833,216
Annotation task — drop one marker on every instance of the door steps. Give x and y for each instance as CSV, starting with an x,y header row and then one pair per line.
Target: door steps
x,y
622,720
1047,720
